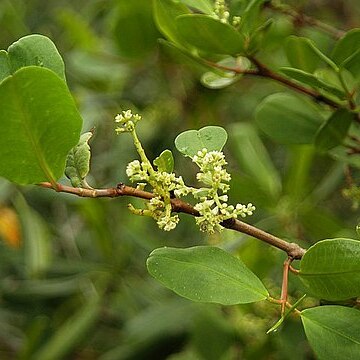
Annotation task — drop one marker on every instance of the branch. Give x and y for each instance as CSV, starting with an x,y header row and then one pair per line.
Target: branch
x,y
263,71
293,250
301,19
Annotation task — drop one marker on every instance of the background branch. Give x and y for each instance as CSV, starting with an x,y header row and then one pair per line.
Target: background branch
x,y
293,250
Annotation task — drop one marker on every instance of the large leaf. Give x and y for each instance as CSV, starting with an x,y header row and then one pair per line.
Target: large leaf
x,y
39,126
333,331
334,130
206,274
288,119
78,160
165,13
331,269
212,138
210,35
37,50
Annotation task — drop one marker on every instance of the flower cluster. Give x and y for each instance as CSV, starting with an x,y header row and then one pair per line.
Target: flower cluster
x,y
127,121
212,199
220,11
213,207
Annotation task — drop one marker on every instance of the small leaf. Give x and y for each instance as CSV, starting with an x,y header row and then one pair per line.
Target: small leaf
x,y
212,138
346,47
78,161
303,54
333,331
206,274
331,269
165,13
288,119
165,162
37,50
214,80
39,126
312,80
204,6
210,35
334,130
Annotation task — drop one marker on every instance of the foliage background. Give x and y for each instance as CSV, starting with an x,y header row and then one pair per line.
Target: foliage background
x,y
73,278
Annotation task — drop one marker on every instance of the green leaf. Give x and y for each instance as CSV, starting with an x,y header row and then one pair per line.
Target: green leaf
x,y
71,332
165,13
312,80
206,274
333,331
37,50
204,6
78,160
165,161
210,35
214,80
331,269
346,47
300,54
334,130
5,68
353,64
39,126
254,159
288,119
303,54
212,138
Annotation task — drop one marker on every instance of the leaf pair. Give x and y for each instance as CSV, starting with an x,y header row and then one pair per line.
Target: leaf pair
x,y
39,120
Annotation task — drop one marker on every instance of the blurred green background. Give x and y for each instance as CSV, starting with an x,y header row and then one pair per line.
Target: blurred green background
x,y
73,281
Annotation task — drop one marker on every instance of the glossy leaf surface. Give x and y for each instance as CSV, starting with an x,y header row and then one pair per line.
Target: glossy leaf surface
x,y
209,35
38,126
165,161
333,331
331,269
206,274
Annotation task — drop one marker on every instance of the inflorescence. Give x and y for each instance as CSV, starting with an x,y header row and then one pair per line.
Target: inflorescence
x,y
212,199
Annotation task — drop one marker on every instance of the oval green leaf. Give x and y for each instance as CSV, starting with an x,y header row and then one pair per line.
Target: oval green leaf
x,y
212,138
165,162
206,274
288,119
333,331
165,13
210,35
348,45
334,130
37,50
204,6
331,269
78,160
39,126
311,80
5,68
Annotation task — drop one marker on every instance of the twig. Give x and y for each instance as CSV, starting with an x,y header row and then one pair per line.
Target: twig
x,y
284,286
263,71
293,250
301,19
